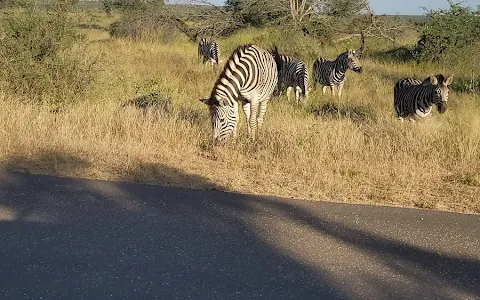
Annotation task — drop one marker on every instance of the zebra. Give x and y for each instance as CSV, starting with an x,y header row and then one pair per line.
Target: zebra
x,y
250,76
292,73
414,98
209,50
332,73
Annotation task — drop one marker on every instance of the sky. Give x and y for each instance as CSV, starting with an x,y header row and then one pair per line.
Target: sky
x,y
405,7
413,7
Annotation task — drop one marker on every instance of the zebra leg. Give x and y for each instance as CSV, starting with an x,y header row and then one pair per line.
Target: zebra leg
x,y
340,89
324,90
246,110
261,113
298,92
235,128
332,89
289,90
253,118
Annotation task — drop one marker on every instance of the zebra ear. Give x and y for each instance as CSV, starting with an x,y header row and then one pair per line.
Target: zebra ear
x,y
351,52
433,80
449,81
206,101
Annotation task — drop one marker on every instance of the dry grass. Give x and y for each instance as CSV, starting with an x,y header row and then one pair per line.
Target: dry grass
x,y
359,153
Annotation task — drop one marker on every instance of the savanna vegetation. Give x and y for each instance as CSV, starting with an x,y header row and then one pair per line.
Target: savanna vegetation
x,y
110,90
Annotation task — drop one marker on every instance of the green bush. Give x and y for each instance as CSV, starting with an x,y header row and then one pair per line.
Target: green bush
x,y
448,31
41,55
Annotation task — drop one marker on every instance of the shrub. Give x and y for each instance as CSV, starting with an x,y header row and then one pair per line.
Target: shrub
x,y
40,55
140,24
130,5
447,31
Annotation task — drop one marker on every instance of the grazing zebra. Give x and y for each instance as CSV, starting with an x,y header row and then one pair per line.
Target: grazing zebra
x,y
209,51
413,98
332,73
292,73
250,77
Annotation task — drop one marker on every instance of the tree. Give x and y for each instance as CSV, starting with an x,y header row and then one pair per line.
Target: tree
x,y
130,5
345,8
448,30
297,12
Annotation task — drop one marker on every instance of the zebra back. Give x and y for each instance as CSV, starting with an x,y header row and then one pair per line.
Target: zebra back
x,y
292,72
411,81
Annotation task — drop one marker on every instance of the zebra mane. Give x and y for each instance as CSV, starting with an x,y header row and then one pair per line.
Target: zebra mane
x,y
237,50
342,55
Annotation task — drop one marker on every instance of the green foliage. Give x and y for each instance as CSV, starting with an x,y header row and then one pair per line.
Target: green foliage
x,y
263,12
38,54
344,8
448,31
258,13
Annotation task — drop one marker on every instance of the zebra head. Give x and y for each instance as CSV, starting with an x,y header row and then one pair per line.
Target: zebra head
x,y
223,117
442,90
353,62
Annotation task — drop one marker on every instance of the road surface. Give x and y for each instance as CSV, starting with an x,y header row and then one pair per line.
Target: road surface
x,y
64,238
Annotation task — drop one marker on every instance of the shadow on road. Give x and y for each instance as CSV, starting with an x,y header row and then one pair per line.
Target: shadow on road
x,y
67,238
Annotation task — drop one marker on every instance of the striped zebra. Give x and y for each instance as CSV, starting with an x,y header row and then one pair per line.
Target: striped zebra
x,y
292,73
209,51
250,77
332,73
414,99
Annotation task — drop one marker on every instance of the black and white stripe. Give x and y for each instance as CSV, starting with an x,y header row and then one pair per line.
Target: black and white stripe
x,y
332,73
250,77
292,73
414,99
412,81
209,51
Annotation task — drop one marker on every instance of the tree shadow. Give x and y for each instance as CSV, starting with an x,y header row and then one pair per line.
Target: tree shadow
x,y
461,273
160,106
356,113
77,238
396,55
151,101
84,239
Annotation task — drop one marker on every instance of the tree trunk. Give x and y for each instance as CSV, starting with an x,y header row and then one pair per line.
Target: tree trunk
x,y
361,51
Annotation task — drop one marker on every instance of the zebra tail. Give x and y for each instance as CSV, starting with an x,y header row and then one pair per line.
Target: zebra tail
x,y
304,82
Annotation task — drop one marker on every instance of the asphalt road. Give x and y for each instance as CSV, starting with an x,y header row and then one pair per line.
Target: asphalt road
x,y
63,238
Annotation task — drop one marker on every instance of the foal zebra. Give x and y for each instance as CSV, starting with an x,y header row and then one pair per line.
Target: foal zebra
x,y
332,73
250,77
414,98
209,51
292,73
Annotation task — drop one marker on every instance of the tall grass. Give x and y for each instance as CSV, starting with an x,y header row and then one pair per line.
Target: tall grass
x,y
348,150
